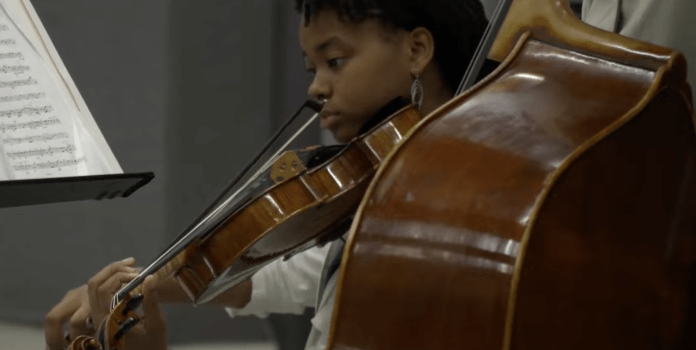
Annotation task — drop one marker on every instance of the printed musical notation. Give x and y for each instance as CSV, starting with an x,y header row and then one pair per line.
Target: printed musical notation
x,y
26,111
9,55
36,138
17,70
39,135
48,164
41,152
17,83
22,97
29,125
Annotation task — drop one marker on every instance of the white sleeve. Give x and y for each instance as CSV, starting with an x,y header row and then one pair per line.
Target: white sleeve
x,y
285,286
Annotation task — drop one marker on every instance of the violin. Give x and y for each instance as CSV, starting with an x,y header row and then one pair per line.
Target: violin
x,y
302,209
550,206
296,203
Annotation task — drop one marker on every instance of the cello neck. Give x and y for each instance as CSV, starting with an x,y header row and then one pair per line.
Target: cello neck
x,y
554,22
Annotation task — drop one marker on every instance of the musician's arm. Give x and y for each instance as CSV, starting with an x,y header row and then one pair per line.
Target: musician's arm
x,y
288,287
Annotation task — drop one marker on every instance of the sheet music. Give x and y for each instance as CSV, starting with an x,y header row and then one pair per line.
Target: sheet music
x,y
41,131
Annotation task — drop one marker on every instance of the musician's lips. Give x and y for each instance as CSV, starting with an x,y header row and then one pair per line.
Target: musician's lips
x,y
328,119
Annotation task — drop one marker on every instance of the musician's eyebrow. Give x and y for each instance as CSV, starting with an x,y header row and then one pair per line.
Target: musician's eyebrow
x,y
324,45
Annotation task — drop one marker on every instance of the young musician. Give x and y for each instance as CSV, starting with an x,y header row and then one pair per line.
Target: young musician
x,y
361,54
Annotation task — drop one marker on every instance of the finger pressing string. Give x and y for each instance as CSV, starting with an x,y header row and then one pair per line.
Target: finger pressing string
x,y
104,284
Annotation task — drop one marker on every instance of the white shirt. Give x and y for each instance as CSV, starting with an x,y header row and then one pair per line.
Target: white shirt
x,y
292,286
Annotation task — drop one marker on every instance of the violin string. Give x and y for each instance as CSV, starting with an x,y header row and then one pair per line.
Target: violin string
x,y
316,106
192,233
264,167
484,46
272,159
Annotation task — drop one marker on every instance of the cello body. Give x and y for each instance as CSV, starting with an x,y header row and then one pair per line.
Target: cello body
x,y
551,206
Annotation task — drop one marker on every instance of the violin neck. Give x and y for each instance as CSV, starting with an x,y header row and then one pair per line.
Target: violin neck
x,y
171,267
160,274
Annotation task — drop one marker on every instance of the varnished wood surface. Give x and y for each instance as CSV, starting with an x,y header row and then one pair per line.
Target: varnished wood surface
x,y
550,207
292,216
555,23
85,343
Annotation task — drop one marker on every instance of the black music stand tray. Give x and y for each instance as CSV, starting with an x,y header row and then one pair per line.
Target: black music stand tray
x,y
16,193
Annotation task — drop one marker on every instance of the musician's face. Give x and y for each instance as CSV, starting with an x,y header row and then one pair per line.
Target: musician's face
x,y
357,67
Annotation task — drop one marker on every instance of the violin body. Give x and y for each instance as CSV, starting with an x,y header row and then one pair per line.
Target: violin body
x,y
298,212
549,207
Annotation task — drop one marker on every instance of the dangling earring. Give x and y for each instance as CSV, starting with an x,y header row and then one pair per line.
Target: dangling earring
x,y
417,92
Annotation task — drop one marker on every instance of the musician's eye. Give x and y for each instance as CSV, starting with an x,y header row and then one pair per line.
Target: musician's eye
x,y
335,62
311,71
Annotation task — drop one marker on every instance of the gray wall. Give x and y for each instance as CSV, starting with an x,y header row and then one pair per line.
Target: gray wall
x,y
233,81
489,6
115,53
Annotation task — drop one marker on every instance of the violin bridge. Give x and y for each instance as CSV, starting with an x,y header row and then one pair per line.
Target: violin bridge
x,y
286,166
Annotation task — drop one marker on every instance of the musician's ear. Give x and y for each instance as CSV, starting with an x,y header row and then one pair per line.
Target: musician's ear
x,y
422,46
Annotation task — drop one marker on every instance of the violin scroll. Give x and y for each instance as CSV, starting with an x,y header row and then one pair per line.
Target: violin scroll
x,y
119,321
114,327
84,342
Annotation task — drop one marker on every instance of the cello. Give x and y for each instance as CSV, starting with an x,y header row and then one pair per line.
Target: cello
x,y
551,206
